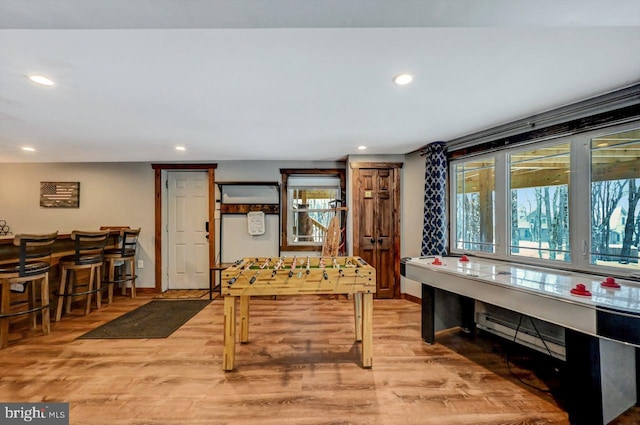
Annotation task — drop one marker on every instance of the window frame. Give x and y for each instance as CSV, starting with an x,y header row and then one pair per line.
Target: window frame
x,y
580,234
590,251
507,159
285,246
453,199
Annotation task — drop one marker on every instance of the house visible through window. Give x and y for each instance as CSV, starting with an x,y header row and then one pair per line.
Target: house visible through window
x,y
615,192
540,202
573,201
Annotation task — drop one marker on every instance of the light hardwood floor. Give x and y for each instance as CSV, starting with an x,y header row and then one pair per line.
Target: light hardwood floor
x,y
301,366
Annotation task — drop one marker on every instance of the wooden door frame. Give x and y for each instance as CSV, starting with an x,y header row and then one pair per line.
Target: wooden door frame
x,y
394,167
158,168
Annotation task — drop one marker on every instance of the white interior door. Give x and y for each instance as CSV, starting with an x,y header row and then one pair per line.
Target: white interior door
x,y
188,248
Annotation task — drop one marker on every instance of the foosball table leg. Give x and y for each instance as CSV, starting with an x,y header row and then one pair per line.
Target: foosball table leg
x,y
244,319
367,330
357,310
229,352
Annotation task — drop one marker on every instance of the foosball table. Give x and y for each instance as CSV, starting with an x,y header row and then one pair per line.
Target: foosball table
x,y
297,276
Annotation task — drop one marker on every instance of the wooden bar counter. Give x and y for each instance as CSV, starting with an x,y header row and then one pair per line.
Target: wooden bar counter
x,y
61,247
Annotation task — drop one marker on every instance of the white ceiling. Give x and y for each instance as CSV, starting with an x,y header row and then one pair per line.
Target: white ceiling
x,y
294,79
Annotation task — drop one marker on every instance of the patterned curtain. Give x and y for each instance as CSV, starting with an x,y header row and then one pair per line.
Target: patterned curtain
x,y
434,233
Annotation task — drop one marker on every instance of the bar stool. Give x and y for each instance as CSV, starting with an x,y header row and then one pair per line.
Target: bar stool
x,y
33,265
125,254
88,255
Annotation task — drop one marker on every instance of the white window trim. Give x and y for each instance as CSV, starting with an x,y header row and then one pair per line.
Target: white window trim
x,y
285,174
452,206
579,197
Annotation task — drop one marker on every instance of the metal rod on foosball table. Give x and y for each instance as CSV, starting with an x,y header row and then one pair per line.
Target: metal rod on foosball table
x,y
336,265
322,265
262,267
248,266
277,266
255,276
293,265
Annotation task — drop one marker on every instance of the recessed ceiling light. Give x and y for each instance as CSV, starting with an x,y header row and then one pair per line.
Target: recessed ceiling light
x,y
181,148
361,148
403,79
28,149
41,79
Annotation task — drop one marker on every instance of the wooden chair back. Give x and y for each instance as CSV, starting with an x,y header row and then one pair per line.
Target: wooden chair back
x,y
34,248
89,246
129,242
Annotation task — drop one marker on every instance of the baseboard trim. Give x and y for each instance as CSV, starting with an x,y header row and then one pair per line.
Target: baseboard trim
x,y
411,298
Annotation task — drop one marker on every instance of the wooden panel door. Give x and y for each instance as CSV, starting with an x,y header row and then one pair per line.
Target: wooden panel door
x,y
376,222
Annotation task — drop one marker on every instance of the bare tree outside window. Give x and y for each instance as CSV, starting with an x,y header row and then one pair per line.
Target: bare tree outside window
x,y
539,181
615,192
475,205
538,193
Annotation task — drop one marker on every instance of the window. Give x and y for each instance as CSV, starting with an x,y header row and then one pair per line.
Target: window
x,y
475,205
539,202
573,201
615,191
310,198
310,208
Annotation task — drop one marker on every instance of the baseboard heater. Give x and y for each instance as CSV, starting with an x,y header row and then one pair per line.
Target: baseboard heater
x,y
527,335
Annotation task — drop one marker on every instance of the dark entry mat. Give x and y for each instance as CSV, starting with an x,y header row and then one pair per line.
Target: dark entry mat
x,y
156,319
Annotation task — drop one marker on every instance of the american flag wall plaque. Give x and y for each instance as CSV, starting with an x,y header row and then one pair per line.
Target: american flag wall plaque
x,y
60,194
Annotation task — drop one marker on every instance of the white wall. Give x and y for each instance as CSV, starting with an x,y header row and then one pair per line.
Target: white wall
x,y
264,170
412,216
235,230
111,194
123,194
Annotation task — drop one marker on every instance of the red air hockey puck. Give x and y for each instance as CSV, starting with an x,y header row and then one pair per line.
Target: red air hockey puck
x,y
580,290
610,283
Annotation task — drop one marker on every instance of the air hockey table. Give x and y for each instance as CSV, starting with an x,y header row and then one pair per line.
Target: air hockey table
x,y
599,316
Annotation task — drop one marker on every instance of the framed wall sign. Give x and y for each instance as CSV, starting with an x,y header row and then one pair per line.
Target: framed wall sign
x,y
60,194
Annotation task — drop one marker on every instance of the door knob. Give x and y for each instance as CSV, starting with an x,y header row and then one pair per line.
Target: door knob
x,y
373,240
380,240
